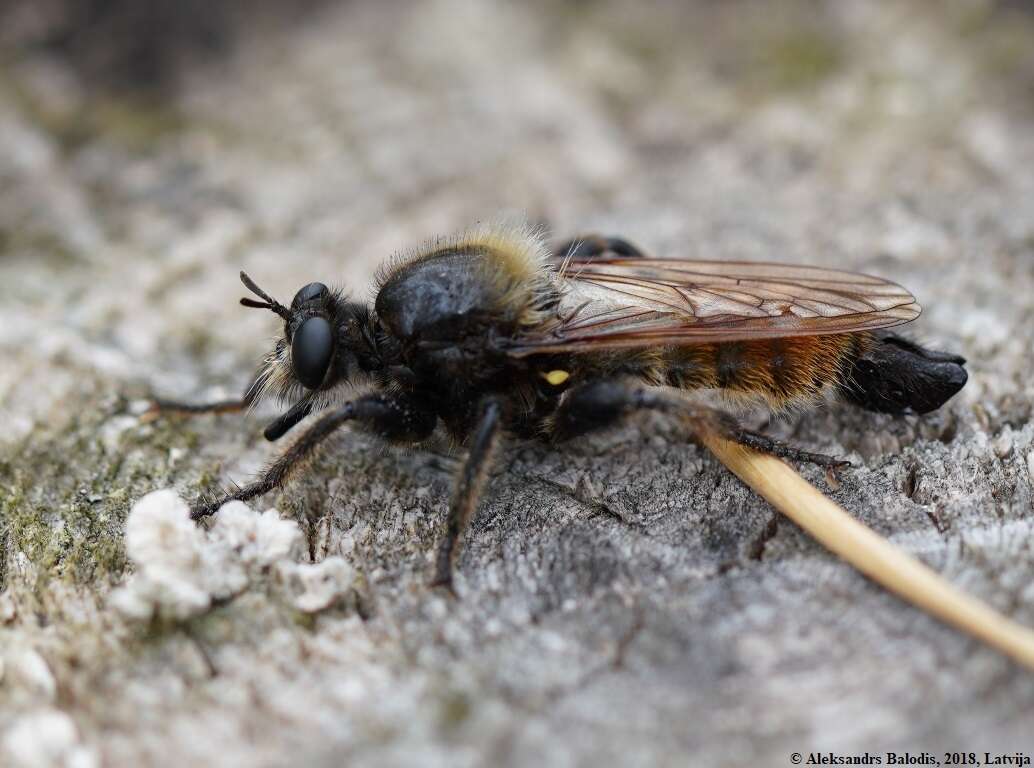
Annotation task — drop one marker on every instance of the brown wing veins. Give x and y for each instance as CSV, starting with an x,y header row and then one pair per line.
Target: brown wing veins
x,y
619,302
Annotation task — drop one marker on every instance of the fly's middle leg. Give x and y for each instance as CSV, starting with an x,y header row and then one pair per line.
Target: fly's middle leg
x,y
470,484
591,246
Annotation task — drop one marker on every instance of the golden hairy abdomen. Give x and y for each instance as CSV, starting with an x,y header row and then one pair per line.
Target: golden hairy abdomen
x,y
782,371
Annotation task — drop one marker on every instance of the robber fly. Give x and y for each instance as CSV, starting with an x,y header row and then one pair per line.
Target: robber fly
x,y
491,333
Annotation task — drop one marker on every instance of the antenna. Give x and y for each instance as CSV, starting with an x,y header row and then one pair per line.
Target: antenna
x,y
269,303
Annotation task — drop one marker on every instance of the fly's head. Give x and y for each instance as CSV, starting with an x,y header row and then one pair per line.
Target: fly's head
x,y
326,343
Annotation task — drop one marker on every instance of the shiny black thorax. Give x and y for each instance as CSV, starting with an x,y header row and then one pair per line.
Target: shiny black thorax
x,y
443,324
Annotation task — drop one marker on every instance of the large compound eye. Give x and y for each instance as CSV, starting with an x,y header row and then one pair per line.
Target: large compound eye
x,y
311,348
308,293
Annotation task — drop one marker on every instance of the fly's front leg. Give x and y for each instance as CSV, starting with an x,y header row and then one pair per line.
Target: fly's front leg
x,y
160,407
469,485
274,431
600,404
397,418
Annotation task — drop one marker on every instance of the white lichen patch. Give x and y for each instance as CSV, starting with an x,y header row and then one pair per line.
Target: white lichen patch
x,y
46,739
317,586
257,539
8,609
28,671
181,569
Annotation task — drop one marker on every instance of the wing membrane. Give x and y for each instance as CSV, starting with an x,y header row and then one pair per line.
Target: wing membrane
x,y
616,302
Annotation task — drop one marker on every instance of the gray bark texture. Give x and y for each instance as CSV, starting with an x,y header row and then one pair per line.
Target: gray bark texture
x,y
622,600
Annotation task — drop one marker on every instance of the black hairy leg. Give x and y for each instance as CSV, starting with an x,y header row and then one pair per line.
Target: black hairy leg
x,y
287,421
766,444
469,484
397,418
601,404
588,246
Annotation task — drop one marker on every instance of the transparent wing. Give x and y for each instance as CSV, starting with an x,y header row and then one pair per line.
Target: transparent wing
x,y
614,302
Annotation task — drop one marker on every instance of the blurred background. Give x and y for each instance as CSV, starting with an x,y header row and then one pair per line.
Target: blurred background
x,y
151,150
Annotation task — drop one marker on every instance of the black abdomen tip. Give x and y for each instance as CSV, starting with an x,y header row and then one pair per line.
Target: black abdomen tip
x,y
898,376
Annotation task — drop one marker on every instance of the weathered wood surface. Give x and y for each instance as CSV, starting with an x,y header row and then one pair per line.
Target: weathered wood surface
x,y
623,599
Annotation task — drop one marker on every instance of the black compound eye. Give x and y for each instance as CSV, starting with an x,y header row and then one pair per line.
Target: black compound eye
x,y
308,293
311,348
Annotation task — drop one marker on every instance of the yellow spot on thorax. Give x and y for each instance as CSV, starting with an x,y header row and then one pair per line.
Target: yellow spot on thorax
x,y
556,378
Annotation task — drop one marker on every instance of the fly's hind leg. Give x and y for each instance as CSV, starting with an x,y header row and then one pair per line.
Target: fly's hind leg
x,y
767,444
397,418
469,485
600,404
604,403
590,246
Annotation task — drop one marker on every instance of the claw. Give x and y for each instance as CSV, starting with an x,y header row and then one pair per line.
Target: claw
x,y
153,412
831,473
